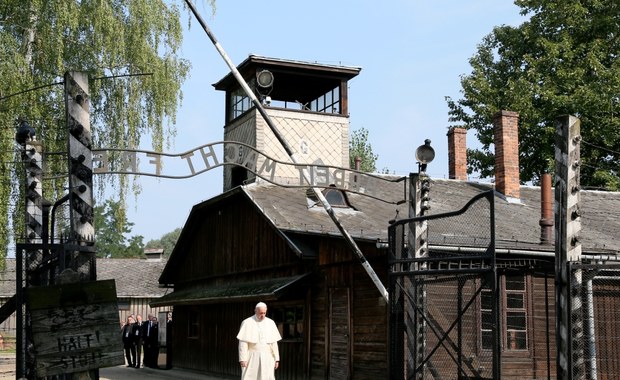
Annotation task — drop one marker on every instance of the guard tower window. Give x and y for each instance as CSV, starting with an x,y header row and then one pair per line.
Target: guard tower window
x,y
290,85
240,103
328,102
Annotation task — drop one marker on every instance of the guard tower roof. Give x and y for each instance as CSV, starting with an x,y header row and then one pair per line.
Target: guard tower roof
x,y
293,80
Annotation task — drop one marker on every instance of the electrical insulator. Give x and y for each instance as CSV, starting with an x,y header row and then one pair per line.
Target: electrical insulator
x,y
425,187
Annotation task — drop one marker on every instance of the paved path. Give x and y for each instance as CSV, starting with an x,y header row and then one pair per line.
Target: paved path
x,y
123,372
7,371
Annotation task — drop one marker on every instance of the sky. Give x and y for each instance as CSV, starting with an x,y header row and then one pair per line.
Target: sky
x,y
411,54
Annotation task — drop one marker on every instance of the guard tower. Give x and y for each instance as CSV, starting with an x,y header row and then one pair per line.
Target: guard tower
x,y
308,102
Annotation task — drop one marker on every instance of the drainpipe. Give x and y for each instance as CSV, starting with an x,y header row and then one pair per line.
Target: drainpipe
x,y
328,208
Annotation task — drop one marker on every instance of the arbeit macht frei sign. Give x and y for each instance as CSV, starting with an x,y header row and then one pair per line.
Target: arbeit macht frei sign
x,y
207,157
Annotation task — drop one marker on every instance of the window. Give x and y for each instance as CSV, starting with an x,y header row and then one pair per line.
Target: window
x,y
486,318
334,196
513,314
123,304
290,321
328,102
240,103
193,325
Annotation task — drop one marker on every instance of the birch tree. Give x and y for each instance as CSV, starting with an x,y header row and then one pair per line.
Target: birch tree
x,y
131,52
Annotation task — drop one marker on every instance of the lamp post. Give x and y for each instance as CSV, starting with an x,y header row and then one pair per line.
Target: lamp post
x,y
418,248
424,155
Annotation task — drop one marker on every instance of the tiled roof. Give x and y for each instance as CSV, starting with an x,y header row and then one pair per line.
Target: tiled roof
x,y
516,223
290,209
135,278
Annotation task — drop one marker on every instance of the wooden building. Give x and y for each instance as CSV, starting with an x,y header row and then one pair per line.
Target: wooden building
x,y
259,241
136,283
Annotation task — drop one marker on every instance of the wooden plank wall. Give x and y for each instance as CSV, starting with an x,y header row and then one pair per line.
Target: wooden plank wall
x,y
368,314
369,323
607,317
214,350
141,306
542,320
318,329
224,245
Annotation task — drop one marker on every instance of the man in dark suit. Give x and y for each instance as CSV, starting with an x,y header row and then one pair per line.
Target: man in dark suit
x,y
169,341
139,336
151,342
129,341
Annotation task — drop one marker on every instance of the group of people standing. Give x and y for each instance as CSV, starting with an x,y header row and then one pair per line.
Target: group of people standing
x,y
141,337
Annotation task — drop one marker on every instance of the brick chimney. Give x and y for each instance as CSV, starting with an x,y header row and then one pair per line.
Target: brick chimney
x,y
506,139
457,153
154,254
546,210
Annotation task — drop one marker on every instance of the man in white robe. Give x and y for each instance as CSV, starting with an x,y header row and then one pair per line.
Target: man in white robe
x,y
258,346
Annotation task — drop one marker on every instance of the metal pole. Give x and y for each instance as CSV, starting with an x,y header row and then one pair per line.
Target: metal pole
x,y
590,330
328,208
20,357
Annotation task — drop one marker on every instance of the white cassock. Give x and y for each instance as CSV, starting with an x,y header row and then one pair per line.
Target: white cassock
x,y
258,346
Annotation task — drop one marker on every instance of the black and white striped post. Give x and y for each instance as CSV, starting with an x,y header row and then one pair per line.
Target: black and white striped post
x,y
569,325
33,161
417,248
77,104
419,196
29,259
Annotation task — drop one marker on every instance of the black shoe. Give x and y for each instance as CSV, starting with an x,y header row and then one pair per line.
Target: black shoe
x,y
130,365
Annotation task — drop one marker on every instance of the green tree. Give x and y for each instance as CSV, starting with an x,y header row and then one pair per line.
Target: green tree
x,y
167,241
563,60
359,146
129,48
112,229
